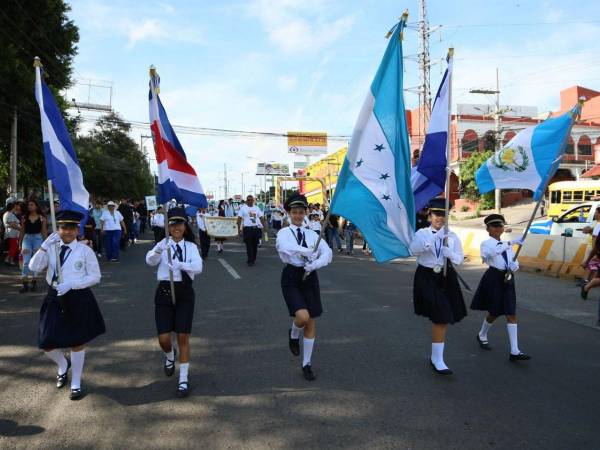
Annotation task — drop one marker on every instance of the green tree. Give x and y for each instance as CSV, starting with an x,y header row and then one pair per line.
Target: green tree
x,y
467,178
113,165
27,29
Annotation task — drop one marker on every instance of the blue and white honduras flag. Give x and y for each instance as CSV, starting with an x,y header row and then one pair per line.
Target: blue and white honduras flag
x,y
429,175
62,166
530,158
373,189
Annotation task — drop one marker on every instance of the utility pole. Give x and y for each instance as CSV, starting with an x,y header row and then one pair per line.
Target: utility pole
x,y
424,69
497,115
13,155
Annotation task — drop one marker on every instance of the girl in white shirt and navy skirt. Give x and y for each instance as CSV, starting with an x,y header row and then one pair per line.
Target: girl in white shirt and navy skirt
x,y
437,293
69,317
496,291
299,281
176,316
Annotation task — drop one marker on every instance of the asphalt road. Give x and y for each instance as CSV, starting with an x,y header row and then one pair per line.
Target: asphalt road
x,y
374,387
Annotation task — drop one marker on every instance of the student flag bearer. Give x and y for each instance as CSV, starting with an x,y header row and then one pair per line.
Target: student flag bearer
x,y
69,317
374,189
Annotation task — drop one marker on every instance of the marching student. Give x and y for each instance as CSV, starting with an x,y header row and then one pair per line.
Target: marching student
x,y
315,223
296,248
203,236
250,225
176,317
69,317
437,295
157,222
496,291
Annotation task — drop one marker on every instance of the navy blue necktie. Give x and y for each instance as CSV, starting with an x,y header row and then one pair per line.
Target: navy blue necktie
x,y
300,238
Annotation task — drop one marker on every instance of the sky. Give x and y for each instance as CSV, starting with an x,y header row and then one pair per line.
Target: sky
x,y
306,65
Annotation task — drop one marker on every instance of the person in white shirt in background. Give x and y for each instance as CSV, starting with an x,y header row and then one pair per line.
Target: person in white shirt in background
x,y
314,223
496,291
297,248
69,317
250,225
112,225
176,317
157,223
203,236
437,293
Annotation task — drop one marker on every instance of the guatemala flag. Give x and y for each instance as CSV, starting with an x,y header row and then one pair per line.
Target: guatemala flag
x,y
374,190
177,179
530,158
62,166
429,175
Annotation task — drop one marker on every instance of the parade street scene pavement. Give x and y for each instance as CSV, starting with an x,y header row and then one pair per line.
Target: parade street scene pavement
x,y
374,388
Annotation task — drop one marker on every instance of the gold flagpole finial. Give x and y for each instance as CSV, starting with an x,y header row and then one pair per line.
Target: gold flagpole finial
x,y
581,100
451,52
37,62
402,19
154,79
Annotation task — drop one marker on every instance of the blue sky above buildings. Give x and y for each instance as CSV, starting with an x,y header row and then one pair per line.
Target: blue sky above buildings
x,y
279,65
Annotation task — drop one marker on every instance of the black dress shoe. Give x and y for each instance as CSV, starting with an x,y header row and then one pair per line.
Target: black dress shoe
x,y
61,380
183,390
294,344
584,293
520,357
440,371
170,368
483,344
76,394
308,373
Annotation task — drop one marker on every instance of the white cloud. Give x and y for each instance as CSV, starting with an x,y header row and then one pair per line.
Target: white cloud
x,y
287,83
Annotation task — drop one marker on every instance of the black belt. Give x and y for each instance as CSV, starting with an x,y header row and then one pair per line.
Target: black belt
x,y
291,266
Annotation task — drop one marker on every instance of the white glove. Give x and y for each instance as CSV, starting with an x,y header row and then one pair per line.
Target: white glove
x,y
313,257
161,246
50,240
63,288
440,235
502,248
513,266
447,252
306,252
310,267
175,265
518,241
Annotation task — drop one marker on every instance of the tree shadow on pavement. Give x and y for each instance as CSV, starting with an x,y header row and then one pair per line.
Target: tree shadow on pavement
x,y
12,428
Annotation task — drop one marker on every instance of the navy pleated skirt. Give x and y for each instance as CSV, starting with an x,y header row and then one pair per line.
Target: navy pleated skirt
x,y
494,295
299,293
71,320
438,297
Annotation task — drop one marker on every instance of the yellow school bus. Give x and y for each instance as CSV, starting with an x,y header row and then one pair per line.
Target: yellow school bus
x,y
565,194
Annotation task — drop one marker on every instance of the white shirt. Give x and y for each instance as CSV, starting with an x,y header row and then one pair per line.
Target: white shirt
x,y
158,220
428,248
80,266
229,211
200,221
315,225
250,216
290,251
111,222
596,230
192,263
491,254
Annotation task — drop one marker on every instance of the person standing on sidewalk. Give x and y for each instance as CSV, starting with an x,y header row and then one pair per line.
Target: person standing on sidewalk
x,y
250,225
12,230
157,222
349,230
176,316
333,232
70,316
496,291
96,214
34,226
112,226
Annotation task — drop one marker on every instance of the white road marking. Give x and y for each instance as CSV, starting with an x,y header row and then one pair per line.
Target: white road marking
x,y
229,269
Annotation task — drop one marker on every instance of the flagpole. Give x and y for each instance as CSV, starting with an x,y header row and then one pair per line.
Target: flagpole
x,y
153,75
448,149
553,168
325,222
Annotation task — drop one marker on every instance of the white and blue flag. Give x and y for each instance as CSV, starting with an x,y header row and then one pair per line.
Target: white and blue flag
x,y
374,190
62,166
530,158
429,175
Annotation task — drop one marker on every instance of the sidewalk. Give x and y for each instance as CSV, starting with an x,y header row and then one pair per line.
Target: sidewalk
x,y
516,216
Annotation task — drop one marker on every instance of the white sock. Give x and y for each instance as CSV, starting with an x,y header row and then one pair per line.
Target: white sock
x,y
437,355
59,358
171,358
183,372
308,349
512,336
77,360
295,334
485,327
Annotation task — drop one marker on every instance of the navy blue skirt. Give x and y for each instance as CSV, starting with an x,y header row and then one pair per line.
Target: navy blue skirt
x,y
176,317
299,293
71,320
437,297
494,295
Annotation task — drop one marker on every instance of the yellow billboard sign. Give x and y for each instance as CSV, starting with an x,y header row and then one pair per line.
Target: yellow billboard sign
x,y
307,143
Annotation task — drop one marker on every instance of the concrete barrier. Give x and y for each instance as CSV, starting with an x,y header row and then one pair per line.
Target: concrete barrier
x,y
551,255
